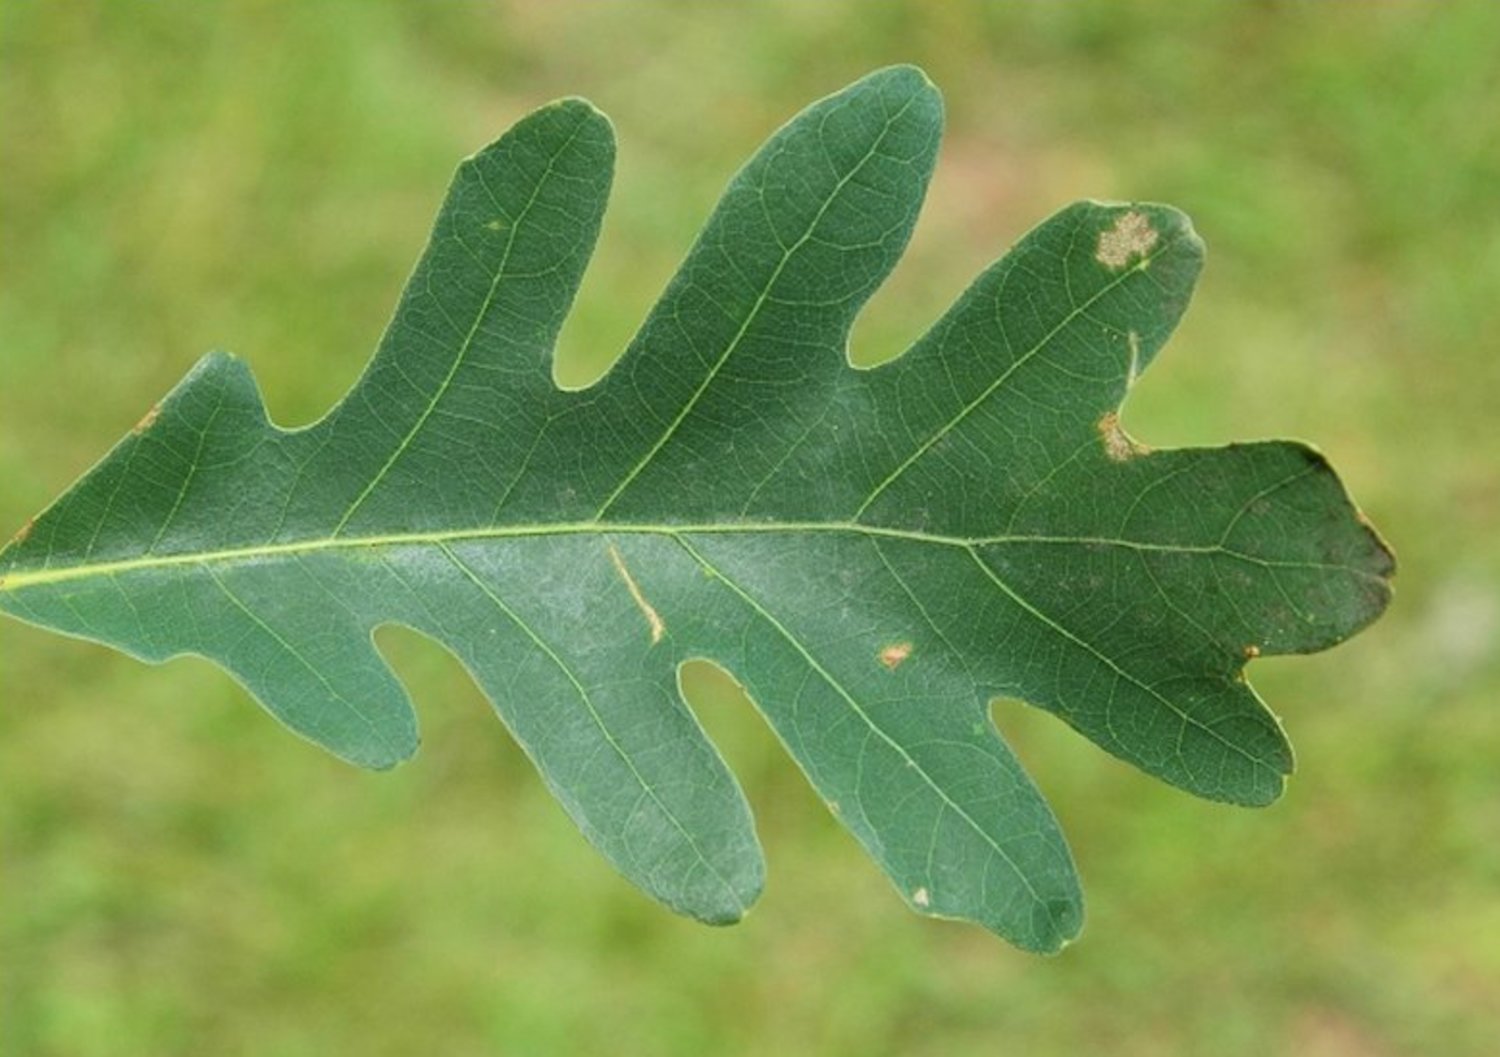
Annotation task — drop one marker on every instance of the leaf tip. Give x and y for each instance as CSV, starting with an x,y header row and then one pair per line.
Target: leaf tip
x,y
578,107
737,895
572,111
1370,553
1058,923
383,752
1382,554
906,81
907,74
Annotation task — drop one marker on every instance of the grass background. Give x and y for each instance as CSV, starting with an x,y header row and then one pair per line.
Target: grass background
x,y
179,877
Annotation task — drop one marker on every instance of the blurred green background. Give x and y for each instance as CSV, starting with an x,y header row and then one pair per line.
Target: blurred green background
x,y
178,876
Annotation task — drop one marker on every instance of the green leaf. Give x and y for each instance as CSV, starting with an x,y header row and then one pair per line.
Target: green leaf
x,y
874,554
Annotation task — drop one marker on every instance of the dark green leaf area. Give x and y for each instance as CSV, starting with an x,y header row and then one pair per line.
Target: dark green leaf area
x,y
874,554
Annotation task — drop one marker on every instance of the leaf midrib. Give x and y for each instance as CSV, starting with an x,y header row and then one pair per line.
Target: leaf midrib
x,y
44,576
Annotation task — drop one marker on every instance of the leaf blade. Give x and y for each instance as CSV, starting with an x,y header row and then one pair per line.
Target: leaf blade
x,y
875,554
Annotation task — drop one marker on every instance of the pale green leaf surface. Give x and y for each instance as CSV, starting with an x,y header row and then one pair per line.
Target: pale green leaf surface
x,y
874,554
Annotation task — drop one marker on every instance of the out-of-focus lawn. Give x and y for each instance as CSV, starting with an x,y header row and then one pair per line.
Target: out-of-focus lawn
x,y
178,876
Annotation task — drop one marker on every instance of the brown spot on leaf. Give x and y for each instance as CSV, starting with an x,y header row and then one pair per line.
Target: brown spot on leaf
x,y
1118,444
1252,651
893,655
147,420
1131,236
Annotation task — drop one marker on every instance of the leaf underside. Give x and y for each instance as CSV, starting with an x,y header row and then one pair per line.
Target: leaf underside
x,y
874,554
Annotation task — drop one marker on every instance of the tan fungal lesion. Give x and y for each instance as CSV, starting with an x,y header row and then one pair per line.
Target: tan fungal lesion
x,y
1118,444
653,618
147,420
922,898
1131,236
1252,651
894,655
